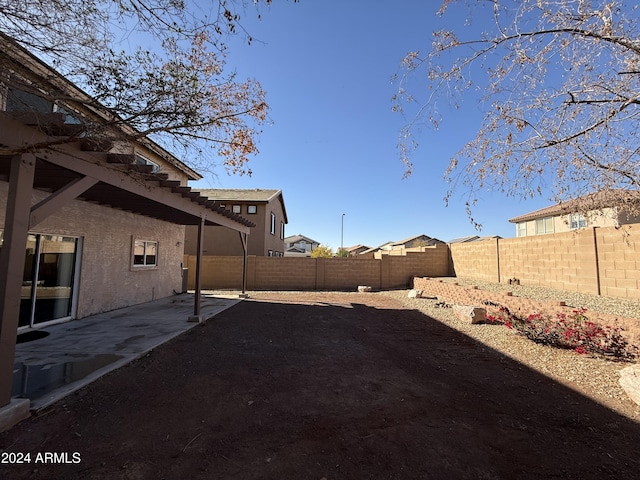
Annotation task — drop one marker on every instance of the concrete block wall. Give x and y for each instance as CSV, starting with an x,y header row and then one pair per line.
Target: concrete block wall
x,y
564,261
480,257
401,270
217,272
602,261
619,262
295,273
348,273
281,273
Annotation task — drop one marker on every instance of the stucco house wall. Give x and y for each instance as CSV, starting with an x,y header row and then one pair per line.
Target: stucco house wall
x,y
107,279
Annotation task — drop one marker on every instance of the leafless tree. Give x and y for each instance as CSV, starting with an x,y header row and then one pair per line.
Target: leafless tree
x,y
560,83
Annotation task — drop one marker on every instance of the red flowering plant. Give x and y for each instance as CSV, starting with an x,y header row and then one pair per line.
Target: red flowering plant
x,y
573,331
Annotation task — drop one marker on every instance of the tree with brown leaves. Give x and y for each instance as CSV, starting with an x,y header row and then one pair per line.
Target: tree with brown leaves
x,y
171,86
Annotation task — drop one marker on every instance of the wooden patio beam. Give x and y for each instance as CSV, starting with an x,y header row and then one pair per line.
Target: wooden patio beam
x,y
59,198
12,255
94,165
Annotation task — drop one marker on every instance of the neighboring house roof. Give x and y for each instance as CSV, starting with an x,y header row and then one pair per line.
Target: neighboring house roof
x,y
380,247
296,250
298,238
591,201
551,211
257,195
391,245
415,237
356,247
464,239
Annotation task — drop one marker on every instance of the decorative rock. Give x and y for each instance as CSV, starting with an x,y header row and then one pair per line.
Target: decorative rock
x,y
468,312
630,382
364,288
415,294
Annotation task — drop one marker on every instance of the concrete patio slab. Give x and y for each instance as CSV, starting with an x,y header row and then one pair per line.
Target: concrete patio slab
x,y
80,351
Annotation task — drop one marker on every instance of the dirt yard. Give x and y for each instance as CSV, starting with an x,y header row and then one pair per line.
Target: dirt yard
x,y
325,386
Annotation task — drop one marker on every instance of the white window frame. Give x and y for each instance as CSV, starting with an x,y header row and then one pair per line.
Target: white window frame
x,y
272,227
136,243
236,209
142,160
545,225
521,229
577,221
252,209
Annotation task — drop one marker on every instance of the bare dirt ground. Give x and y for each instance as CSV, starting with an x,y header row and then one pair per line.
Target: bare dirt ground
x,y
326,386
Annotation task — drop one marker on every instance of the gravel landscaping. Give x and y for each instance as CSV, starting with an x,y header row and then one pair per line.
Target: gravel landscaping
x,y
596,377
596,303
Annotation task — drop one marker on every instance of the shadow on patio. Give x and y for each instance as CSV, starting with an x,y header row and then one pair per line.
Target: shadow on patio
x,y
73,354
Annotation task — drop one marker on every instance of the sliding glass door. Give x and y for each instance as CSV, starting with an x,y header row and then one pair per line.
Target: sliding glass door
x,y
49,279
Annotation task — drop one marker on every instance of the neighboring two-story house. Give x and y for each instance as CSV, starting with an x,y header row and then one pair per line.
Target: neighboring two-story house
x,y
592,210
299,245
264,208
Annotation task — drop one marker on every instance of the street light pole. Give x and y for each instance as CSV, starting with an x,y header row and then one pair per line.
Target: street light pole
x,y
342,235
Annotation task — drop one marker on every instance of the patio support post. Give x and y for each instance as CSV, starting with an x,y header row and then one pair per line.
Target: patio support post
x,y
196,304
243,239
12,255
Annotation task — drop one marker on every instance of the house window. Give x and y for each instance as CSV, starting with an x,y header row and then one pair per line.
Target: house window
x,y
140,160
577,221
145,253
236,209
49,282
252,209
272,228
22,101
282,230
544,225
70,118
521,229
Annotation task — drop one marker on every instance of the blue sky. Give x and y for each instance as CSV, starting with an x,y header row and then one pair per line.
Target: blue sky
x,y
331,146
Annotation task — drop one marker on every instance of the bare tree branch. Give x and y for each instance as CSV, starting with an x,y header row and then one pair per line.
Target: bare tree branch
x,y
560,91
177,91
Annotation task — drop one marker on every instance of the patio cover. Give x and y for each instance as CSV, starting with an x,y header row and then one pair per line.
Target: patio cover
x,y
69,172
